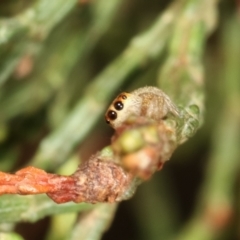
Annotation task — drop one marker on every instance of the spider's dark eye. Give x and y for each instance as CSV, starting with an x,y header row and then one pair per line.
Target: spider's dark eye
x,y
112,115
118,105
124,96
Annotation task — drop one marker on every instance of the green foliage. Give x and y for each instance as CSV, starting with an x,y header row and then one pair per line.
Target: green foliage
x,y
61,63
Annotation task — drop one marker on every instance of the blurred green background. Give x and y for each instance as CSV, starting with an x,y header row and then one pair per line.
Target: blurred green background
x,y
61,64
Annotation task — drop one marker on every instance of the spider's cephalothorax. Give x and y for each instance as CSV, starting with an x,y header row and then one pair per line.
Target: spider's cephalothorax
x,y
147,102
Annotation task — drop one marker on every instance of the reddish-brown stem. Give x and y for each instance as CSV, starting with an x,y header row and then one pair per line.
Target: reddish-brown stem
x,y
102,178
31,180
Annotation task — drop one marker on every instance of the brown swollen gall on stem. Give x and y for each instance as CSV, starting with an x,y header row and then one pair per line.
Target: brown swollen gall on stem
x,y
98,180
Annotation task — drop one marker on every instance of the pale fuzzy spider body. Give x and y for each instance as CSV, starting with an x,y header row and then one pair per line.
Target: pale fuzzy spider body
x,y
148,102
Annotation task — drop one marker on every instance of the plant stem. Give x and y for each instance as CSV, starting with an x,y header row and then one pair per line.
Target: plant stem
x,y
94,223
215,207
182,75
32,208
